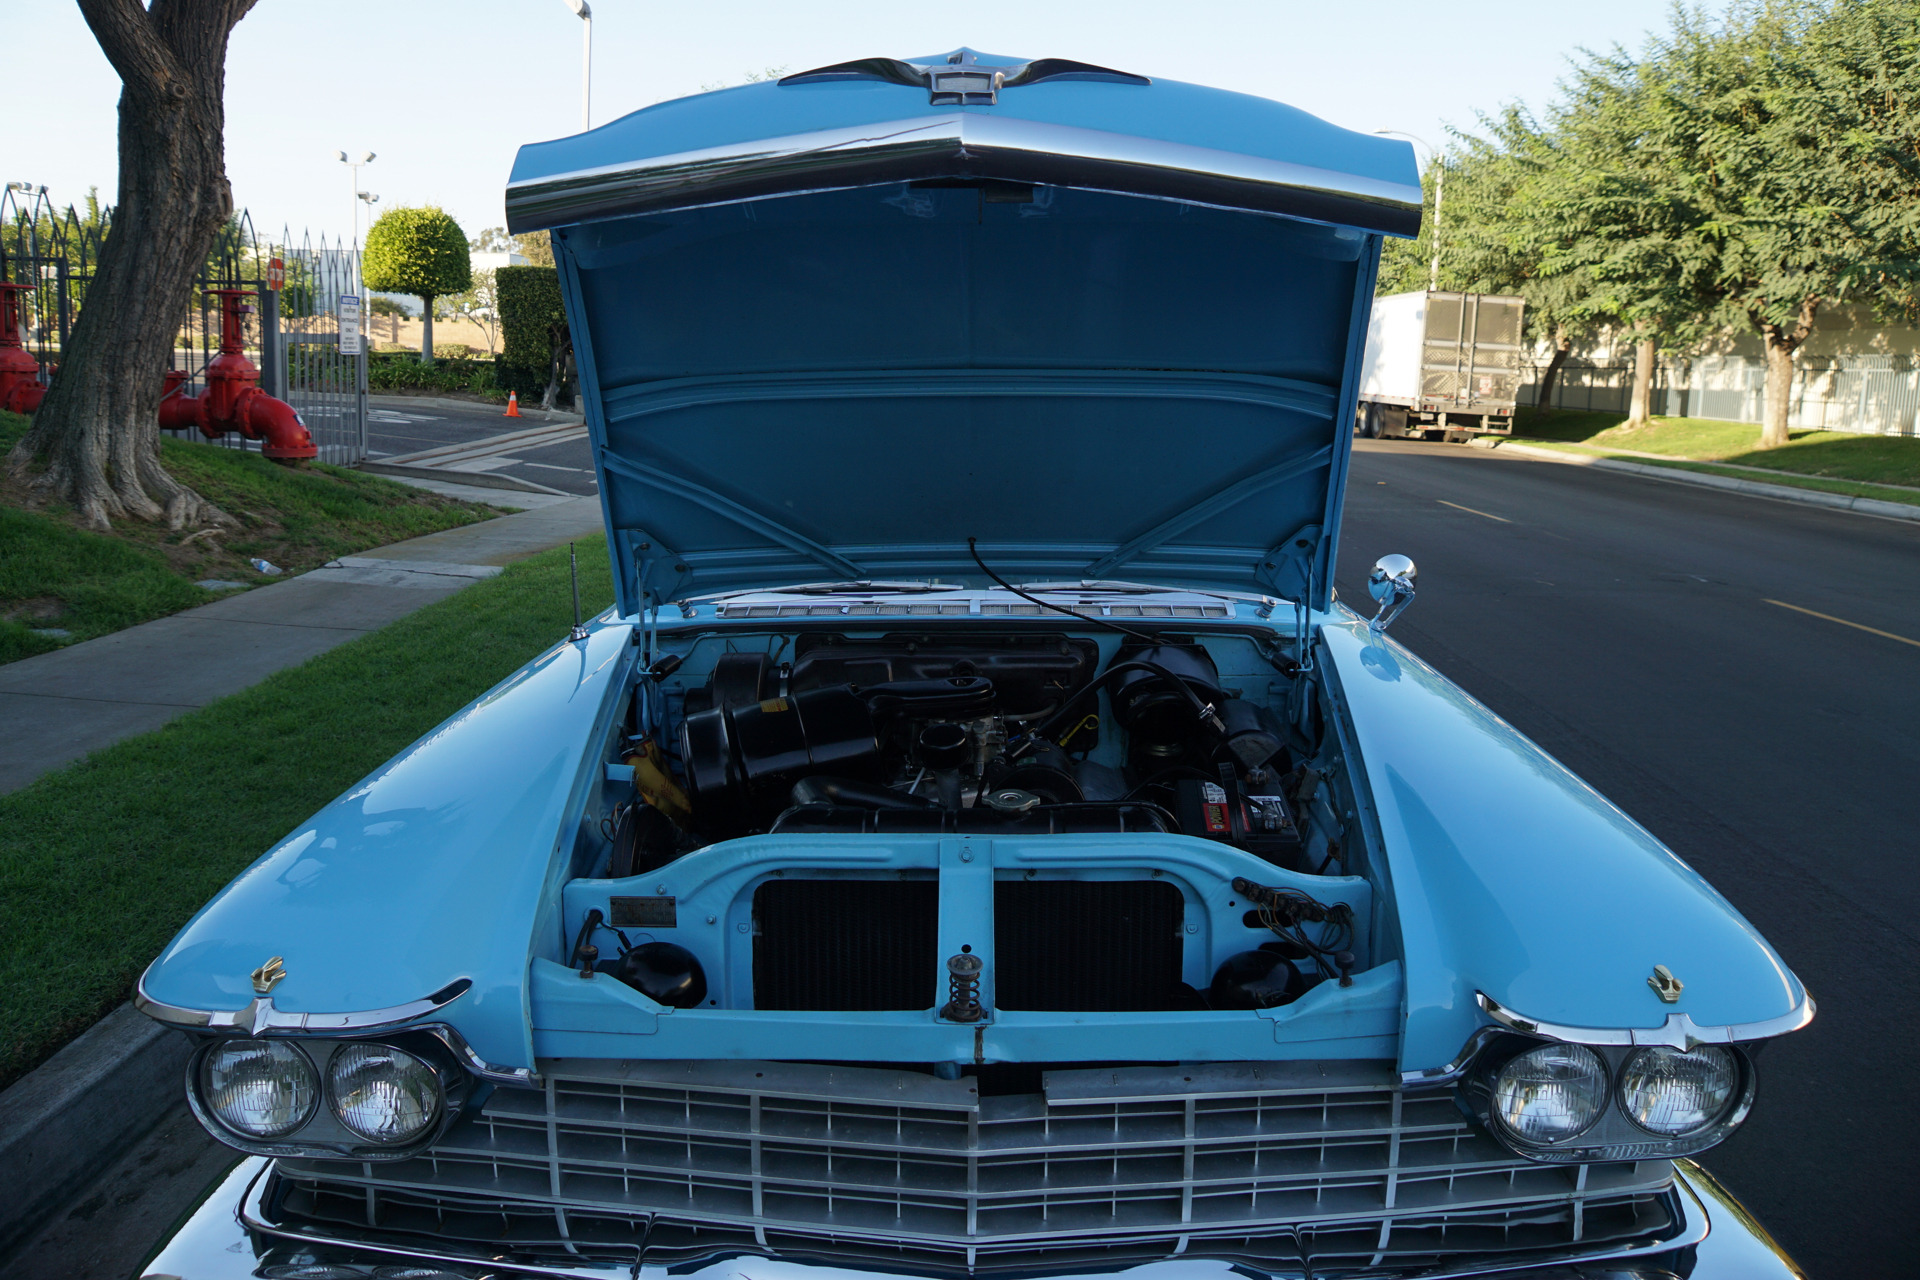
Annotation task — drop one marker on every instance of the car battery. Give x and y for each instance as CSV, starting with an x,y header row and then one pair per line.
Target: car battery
x,y
1261,824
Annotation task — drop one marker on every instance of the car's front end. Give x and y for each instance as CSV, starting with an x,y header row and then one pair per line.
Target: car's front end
x,y
975,842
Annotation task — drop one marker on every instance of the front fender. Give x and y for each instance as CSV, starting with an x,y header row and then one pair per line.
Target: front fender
x,y
435,868
1510,876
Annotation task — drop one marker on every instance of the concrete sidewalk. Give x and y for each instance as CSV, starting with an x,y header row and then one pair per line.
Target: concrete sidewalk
x,y
59,706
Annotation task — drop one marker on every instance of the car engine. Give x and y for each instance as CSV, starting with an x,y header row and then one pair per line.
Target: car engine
x,y
1019,732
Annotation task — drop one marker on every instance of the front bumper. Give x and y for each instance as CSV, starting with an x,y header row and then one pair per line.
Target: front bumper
x,y
1722,1242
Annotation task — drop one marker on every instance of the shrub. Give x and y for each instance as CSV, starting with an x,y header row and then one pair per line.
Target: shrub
x,y
533,327
400,371
418,251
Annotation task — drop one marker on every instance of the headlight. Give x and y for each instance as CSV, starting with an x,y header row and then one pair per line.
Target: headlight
x,y
259,1088
384,1094
1674,1093
1550,1094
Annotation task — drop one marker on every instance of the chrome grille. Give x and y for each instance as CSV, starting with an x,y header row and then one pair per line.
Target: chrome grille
x,y
1260,1162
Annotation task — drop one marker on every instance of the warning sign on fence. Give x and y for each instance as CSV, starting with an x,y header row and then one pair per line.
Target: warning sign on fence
x,y
276,274
349,324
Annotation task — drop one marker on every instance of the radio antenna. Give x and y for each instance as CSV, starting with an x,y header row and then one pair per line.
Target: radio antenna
x,y
573,563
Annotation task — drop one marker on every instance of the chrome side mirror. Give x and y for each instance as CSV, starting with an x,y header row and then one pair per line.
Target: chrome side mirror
x,y
1391,584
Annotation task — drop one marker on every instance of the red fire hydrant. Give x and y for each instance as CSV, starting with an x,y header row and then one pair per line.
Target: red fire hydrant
x,y
233,400
20,388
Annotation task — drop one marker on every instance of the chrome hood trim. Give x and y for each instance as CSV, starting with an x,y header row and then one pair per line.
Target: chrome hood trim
x,y
963,144
1678,1032
260,1017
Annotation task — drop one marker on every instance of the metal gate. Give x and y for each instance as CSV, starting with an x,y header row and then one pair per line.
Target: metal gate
x,y
301,336
293,334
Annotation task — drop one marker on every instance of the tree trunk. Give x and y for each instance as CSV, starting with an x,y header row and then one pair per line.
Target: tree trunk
x,y
97,432
1562,344
1783,343
1640,407
426,332
559,365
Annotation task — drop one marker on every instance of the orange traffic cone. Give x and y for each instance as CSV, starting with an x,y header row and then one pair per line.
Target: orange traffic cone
x,y
513,404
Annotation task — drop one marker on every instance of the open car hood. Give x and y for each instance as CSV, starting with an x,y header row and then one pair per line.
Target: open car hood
x,y
835,326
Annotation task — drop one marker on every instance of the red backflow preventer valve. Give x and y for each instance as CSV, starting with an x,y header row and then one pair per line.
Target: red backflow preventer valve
x,y
233,400
20,387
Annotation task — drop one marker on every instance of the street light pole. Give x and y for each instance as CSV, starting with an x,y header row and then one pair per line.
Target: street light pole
x,y
584,12
1439,194
353,168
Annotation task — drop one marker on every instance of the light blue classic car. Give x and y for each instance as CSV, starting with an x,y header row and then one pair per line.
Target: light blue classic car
x,y
976,841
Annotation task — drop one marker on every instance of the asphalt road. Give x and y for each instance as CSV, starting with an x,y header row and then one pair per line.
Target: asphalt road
x,y
399,429
1664,642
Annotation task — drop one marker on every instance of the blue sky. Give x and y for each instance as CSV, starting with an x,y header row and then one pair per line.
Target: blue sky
x,y
445,90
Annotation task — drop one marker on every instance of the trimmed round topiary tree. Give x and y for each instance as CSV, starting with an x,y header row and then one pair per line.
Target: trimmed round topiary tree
x,y
419,251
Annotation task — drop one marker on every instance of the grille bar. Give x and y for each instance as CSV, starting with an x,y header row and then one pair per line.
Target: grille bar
x,y
852,1163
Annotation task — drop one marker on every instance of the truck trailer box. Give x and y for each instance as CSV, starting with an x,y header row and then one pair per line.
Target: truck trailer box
x,y
1441,362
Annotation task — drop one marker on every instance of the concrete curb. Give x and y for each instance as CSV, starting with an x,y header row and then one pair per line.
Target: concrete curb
x,y
61,1123
477,479
1752,488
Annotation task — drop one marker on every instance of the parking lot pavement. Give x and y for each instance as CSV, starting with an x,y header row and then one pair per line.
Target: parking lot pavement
x,y
397,429
1742,676
408,424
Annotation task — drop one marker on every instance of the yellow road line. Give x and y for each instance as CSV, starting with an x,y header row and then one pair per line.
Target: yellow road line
x,y
1843,622
1470,511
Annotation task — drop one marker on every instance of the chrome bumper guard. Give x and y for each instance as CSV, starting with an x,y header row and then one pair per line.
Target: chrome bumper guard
x,y
1717,1239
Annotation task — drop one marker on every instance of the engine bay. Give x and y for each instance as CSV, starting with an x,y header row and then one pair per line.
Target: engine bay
x,y
1018,732
965,731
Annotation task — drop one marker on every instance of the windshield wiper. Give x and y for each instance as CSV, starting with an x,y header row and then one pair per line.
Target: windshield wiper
x,y
855,588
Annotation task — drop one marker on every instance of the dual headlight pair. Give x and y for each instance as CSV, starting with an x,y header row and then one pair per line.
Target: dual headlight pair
x,y
271,1091
1632,1103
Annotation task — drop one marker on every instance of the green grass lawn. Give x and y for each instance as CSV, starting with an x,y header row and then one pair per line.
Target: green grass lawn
x,y
1830,455
103,861
56,575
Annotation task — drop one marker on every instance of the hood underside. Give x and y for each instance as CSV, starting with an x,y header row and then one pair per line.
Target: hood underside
x,y
833,328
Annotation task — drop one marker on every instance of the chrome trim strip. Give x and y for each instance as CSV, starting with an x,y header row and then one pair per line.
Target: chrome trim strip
x,y
964,145
526,1077
260,1016
1679,1031
1436,1077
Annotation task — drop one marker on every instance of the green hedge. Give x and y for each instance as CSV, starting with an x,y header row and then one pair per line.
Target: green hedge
x,y
530,312
402,371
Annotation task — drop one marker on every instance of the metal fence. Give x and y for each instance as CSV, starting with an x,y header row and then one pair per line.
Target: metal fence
x,y
1864,394
327,386
292,333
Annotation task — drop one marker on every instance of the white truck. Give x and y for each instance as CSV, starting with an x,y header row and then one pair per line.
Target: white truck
x,y
1440,366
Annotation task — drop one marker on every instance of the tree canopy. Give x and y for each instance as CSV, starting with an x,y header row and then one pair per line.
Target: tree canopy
x,y
421,251
1743,170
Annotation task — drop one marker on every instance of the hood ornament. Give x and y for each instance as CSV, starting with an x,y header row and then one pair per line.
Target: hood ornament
x,y
962,80
267,975
1665,985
